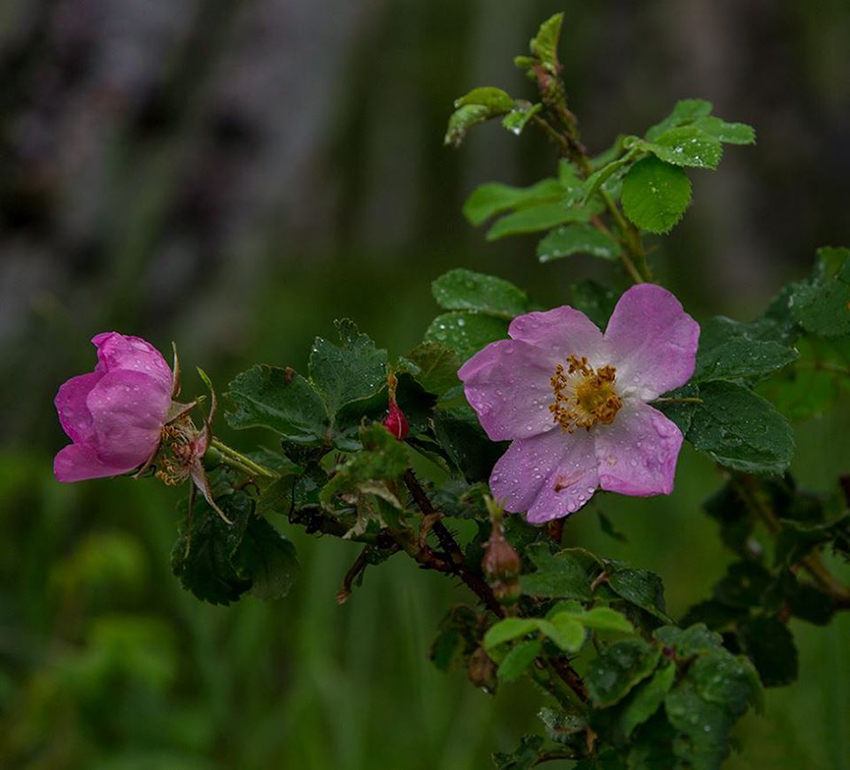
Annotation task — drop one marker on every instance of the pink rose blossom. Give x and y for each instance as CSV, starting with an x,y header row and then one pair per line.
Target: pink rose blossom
x,y
115,415
573,402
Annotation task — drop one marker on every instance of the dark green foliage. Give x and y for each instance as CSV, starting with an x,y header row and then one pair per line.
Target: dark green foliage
x,y
560,575
465,290
618,668
769,644
523,757
822,305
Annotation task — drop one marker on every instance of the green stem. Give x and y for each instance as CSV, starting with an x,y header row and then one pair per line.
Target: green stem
x,y
688,400
240,461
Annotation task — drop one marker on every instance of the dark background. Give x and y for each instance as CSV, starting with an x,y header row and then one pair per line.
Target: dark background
x,y
235,175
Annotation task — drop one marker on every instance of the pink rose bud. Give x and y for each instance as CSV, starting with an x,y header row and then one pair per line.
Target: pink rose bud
x,y
115,415
502,566
396,423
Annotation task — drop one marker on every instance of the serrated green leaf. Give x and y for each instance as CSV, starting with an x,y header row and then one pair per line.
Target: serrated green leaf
x,y
349,372
517,119
743,585
729,350
618,668
687,642
598,618
684,112
462,289
533,219
681,413
466,333
560,575
436,366
464,441
600,177
640,587
705,727
565,632
655,194
723,679
491,199
740,429
647,699
280,399
728,133
267,559
770,646
508,629
579,238
519,659
686,146
495,99
822,305
544,45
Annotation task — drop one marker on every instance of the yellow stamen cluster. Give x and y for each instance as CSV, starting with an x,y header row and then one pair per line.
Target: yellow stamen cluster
x,y
583,396
177,451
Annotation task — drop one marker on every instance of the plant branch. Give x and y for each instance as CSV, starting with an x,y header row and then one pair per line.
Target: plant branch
x,y
238,460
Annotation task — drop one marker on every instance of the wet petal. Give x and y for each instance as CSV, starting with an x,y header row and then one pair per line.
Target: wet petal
x,y
561,332
77,463
117,351
637,453
128,411
549,476
651,341
508,385
71,406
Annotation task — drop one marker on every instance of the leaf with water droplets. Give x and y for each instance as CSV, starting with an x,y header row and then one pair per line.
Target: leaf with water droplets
x,y
740,429
655,194
618,668
705,727
684,112
462,289
467,333
728,133
517,119
822,305
579,238
560,575
686,146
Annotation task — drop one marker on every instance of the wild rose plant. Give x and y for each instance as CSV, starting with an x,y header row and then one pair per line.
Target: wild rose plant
x,y
396,453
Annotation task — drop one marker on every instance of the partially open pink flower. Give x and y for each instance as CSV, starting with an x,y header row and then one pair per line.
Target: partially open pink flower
x,y
574,402
114,415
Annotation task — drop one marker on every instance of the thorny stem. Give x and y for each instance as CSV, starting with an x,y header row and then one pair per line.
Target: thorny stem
x,y
240,461
748,489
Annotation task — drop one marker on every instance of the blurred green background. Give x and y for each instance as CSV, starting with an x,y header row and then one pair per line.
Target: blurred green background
x,y
234,176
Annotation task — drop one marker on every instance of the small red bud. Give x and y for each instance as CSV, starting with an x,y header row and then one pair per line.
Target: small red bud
x,y
395,422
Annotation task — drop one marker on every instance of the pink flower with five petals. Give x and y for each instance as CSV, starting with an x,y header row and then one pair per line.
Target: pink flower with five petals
x,y
574,402
114,416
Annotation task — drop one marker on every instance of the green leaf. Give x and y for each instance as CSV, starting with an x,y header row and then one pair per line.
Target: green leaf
x,y
618,668
736,521
564,631
655,194
560,575
349,372
610,172
769,644
562,727
383,458
466,333
202,556
705,727
593,299
797,538
508,629
822,305
744,585
280,399
646,699
544,45
435,367
687,146
462,289
579,238
464,441
598,618
682,413
740,429
519,659
728,133
463,119
495,99
267,559
491,199
533,219
684,112
690,641
516,120
640,587
729,350
725,680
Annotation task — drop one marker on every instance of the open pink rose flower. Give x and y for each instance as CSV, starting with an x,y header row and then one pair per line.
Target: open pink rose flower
x,y
573,401
115,415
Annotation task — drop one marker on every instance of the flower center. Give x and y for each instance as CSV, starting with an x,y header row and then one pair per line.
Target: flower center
x,y
583,396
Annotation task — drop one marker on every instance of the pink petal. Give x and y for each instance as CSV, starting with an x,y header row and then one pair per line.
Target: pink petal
x,y
116,351
550,476
507,384
651,341
637,453
561,332
77,463
71,406
128,410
